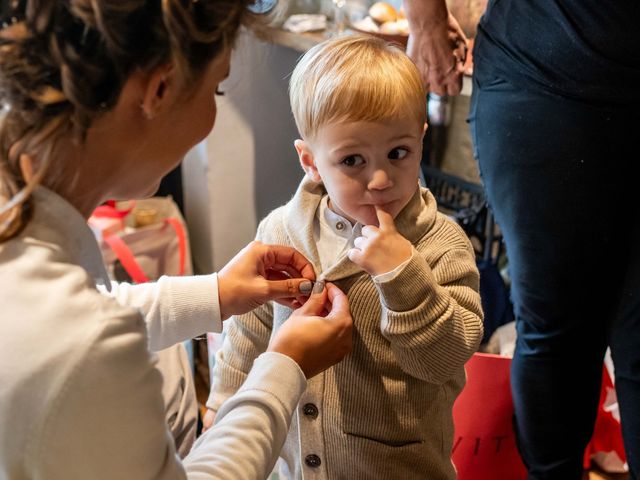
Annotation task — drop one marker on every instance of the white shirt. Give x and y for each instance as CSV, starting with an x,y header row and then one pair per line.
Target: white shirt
x,y
334,236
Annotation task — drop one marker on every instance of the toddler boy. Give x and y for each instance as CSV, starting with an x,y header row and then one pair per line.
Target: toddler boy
x,y
361,218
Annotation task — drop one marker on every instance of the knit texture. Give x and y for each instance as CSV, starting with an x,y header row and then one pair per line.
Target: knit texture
x,y
385,411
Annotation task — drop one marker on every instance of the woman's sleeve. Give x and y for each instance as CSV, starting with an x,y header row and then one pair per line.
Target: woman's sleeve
x,y
106,419
174,308
252,425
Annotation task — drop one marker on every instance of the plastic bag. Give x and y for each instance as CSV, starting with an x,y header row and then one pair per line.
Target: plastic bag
x,y
152,239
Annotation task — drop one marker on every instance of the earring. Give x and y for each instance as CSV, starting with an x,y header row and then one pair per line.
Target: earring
x,y
145,112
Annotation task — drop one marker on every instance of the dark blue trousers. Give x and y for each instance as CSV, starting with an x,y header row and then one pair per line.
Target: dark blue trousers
x,y
560,178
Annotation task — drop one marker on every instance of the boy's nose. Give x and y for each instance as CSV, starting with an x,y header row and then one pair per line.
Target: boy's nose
x,y
380,180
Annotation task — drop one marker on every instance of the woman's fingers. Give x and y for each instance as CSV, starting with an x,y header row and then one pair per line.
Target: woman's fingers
x,y
279,257
260,273
338,300
290,288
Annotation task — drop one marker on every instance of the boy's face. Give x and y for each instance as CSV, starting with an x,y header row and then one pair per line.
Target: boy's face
x,y
365,164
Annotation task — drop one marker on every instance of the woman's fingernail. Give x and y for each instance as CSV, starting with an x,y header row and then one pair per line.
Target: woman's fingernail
x,y
305,287
318,287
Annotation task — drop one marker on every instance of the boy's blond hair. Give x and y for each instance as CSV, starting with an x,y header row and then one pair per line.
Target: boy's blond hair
x,y
354,78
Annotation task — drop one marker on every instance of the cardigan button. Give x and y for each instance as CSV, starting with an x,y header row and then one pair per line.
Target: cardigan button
x,y
310,410
312,461
340,225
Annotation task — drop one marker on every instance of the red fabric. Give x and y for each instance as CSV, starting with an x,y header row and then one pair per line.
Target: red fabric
x,y
607,435
484,441
484,446
128,260
108,209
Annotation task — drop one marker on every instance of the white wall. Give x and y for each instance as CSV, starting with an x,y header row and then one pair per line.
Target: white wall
x,y
247,166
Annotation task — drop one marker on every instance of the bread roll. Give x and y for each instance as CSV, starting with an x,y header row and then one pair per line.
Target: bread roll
x,y
403,26
382,12
367,24
390,28
400,27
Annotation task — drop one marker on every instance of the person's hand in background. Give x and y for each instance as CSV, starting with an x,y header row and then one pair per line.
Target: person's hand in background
x,y
437,45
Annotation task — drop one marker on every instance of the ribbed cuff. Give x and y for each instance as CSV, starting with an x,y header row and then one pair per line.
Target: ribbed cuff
x,y
196,298
387,277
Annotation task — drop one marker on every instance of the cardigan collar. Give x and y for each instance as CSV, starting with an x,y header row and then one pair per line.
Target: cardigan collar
x,y
413,223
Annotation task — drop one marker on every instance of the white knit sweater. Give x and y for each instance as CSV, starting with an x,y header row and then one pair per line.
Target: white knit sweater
x,y
385,411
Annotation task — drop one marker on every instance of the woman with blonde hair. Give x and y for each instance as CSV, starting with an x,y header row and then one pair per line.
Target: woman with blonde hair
x,y
100,100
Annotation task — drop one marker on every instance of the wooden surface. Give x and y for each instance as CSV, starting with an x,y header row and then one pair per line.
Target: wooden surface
x,y
301,42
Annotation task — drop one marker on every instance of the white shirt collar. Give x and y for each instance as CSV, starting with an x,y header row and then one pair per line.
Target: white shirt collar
x,y
337,223
333,234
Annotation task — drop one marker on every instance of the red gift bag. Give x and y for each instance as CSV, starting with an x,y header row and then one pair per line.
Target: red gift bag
x,y
484,445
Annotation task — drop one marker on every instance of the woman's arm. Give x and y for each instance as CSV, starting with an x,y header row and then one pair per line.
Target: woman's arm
x,y
106,418
252,425
180,308
174,308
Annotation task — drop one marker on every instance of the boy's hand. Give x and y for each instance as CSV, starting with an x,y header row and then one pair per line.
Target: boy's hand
x,y
380,249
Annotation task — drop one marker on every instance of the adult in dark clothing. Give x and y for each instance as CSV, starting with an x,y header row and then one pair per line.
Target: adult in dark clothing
x,y
554,115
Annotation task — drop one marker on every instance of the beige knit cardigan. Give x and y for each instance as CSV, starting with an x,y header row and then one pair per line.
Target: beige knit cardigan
x,y
385,411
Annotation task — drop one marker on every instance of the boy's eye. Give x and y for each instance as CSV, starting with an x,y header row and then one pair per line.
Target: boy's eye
x,y
398,153
353,161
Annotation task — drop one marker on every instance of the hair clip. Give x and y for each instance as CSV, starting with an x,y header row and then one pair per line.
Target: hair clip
x,y
8,23
11,12
261,7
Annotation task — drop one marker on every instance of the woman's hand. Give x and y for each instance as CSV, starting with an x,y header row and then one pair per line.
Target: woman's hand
x,y
259,273
438,47
380,249
319,333
316,336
